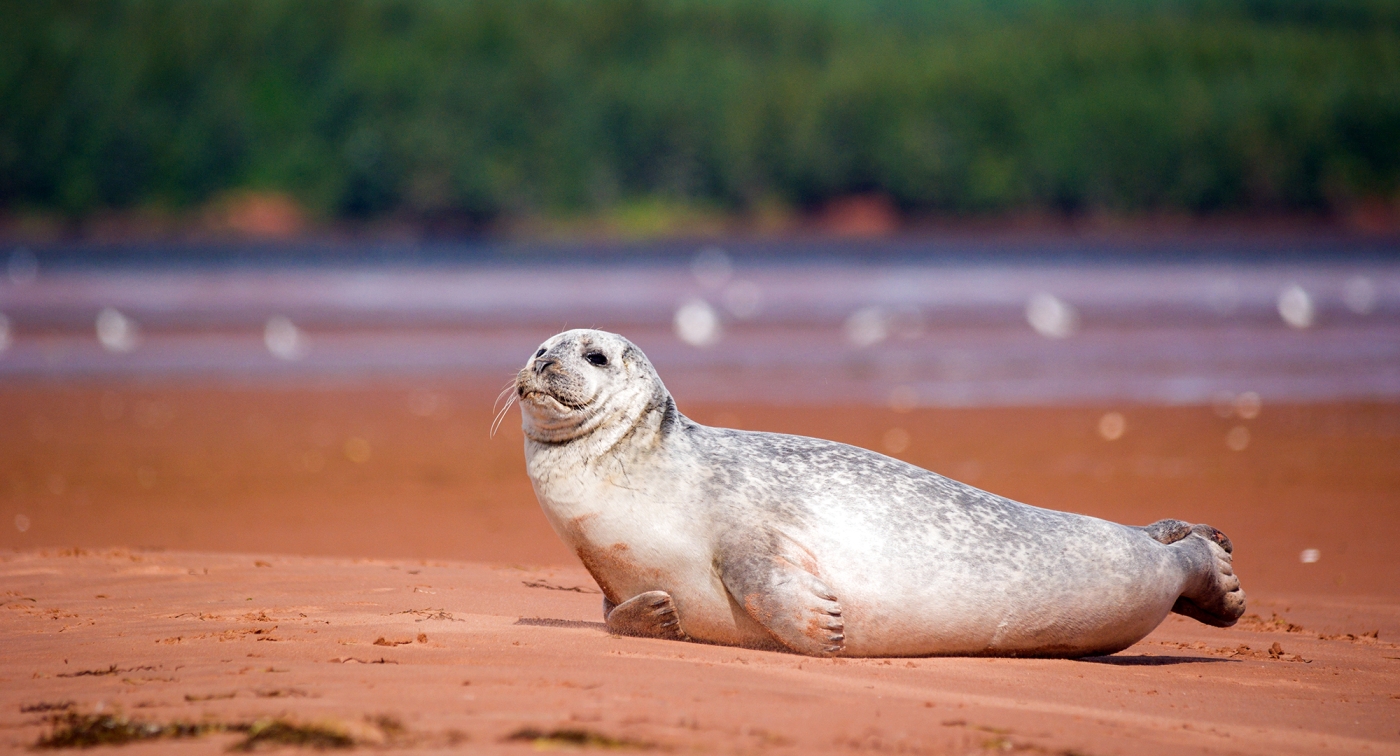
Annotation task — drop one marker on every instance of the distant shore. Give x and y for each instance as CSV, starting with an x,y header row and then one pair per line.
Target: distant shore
x,y
276,226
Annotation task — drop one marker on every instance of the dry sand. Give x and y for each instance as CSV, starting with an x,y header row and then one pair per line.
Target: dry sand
x,y
228,554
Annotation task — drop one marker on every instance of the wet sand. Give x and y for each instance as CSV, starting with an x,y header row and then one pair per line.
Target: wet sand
x,y
410,470
230,552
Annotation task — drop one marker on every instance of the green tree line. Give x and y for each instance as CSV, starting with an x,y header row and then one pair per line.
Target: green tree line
x,y
478,109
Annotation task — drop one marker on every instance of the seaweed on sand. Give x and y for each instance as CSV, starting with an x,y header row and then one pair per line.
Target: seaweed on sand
x,y
78,730
75,730
575,738
280,732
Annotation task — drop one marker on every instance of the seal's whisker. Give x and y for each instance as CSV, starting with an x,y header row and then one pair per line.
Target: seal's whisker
x,y
510,386
495,424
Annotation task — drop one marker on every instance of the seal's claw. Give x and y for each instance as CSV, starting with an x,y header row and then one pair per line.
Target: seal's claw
x,y
1211,534
647,615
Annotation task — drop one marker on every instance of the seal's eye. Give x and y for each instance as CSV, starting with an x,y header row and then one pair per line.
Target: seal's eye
x,y
540,353
597,358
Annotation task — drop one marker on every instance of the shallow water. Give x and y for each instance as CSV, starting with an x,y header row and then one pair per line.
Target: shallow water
x,y
896,331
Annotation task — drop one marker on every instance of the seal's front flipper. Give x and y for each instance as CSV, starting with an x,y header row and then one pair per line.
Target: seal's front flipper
x,y
779,589
646,615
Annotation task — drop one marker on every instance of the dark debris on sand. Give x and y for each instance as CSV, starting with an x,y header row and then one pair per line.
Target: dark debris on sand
x,y
272,733
75,730
574,738
79,730
46,706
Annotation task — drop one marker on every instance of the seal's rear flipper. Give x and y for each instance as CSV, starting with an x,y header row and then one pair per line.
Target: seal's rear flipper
x,y
1171,531
646,615
1215,597
1168,531
773,580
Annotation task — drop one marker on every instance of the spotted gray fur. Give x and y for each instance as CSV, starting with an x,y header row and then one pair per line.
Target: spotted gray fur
x,y
793,543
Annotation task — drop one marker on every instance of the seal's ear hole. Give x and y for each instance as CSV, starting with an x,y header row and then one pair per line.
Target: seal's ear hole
x,y
596,358
540,353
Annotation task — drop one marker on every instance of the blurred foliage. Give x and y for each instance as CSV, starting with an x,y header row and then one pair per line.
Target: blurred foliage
x,y
440,109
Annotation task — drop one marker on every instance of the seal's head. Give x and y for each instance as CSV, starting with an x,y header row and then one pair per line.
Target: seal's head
x,y
582,380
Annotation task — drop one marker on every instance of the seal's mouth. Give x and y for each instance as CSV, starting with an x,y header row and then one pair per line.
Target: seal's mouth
x,y
536,396
552,391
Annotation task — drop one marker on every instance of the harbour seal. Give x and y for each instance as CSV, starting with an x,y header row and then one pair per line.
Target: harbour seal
x,y
790,543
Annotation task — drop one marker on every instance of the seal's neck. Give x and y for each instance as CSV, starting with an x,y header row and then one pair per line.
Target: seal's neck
x,y
636,436
624,434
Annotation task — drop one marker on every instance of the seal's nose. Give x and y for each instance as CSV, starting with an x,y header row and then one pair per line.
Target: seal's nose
x,y
542,365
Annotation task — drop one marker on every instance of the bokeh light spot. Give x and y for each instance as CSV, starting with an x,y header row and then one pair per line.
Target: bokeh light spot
x,y
1112,426
1051,316
697,323
1237,439
969,470
903,399
357,450
1310,556
895,440
712,267
1359,295
117,332
1248,405
283,339
424,403
868,326
1296,307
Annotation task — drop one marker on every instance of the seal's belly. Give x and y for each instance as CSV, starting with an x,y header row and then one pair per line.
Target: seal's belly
x,y
706,612
628,555
1095,585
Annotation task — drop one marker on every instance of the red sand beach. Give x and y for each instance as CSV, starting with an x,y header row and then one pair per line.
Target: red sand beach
x,y
228,554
